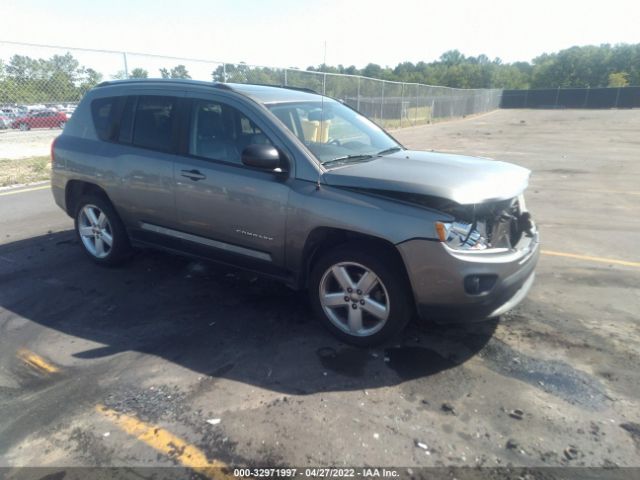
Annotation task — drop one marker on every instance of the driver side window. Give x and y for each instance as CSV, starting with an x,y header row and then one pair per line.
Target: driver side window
x,y
221,132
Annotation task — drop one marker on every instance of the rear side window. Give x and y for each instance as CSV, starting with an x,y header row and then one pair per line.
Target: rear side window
x,y
102,111
153,124
126,120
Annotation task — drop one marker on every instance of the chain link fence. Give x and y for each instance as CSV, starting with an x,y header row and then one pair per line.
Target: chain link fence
x,y
602,97
39,78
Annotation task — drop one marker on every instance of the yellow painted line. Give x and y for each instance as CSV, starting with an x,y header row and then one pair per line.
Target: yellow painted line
x,y
23,190
592,259
36,361
167,443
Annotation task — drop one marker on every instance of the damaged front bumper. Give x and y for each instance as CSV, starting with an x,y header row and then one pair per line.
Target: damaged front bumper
x,y
459,286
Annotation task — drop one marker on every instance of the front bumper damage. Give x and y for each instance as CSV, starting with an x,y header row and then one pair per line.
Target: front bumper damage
x,y
461,286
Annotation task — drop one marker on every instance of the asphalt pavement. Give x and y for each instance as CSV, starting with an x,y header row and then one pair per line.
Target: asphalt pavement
x,y
168,361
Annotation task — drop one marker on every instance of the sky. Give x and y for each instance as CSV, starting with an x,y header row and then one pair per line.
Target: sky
x,y
292,33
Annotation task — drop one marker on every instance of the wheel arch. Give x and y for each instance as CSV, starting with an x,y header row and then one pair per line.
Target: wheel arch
x,y
323,239
76,189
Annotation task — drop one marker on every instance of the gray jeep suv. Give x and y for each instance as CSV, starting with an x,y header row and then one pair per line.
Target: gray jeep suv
x,y
298,187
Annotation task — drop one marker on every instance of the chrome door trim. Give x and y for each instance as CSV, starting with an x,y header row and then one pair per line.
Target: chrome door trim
x,y
228,247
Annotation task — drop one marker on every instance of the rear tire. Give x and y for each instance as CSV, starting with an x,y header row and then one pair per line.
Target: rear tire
x,y
360,294
100,231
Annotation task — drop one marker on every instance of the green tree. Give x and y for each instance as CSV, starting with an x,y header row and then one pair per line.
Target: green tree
x,y
452,57
509,77
139,73
60,78
89,79
243,73
179,71
372,70
618,79
587,66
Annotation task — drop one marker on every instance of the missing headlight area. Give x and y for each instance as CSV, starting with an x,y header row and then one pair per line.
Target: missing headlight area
x,y
498,224
493,224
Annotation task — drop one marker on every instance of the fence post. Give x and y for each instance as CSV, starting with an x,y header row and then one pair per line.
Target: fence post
x,y
382,105
324,83
285,77
415,122
617,97
358,99
126,68
224,73
401,103
586,97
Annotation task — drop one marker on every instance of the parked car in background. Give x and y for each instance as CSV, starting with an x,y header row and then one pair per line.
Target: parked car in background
x,y
68,110
40,119
5,120
33,108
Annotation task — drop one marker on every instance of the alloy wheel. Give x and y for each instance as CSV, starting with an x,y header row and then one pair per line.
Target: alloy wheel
x,y
354,299
95,231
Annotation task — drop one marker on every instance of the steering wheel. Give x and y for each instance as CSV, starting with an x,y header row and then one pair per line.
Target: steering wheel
x,y
335,142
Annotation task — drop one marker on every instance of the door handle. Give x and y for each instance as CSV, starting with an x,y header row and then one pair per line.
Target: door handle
x,y
194,175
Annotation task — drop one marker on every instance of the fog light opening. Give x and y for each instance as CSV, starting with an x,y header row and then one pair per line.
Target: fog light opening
x,y
479,284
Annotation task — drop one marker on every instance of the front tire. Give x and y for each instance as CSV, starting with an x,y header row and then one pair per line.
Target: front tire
x,y
100,231
360,295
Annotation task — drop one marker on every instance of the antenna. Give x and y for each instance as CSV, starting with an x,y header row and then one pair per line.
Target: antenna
x,y
324,81
324,86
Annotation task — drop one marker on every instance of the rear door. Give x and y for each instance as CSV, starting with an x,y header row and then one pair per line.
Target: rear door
x,y
142,151
229,209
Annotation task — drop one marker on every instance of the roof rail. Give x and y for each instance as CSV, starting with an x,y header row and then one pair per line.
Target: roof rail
x,y
182,81
162,80
288,87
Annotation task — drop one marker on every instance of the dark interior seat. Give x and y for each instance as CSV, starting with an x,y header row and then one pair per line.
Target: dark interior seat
x,y
152,129
212,140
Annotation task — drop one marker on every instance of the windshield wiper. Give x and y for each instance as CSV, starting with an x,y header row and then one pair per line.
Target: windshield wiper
x,y
367,156
389,150
348,158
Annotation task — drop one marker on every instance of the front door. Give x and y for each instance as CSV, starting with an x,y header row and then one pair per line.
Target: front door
x,y
222,206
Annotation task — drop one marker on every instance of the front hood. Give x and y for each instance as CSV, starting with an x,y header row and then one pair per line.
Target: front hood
x,y
462,179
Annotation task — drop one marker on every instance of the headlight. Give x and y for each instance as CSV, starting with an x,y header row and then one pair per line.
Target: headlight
x,y
460,236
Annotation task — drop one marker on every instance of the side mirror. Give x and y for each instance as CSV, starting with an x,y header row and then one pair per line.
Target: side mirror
x,y
263,156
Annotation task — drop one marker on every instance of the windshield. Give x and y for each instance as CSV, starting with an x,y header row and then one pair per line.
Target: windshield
x,y
333,132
